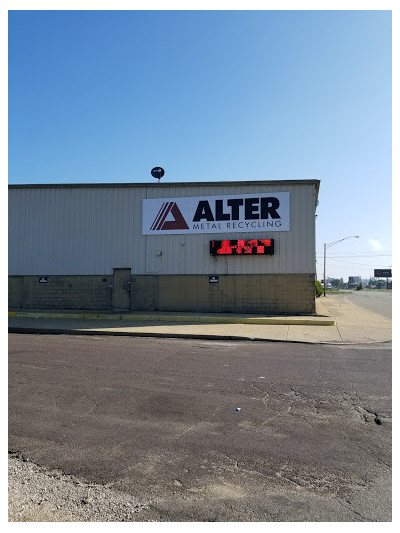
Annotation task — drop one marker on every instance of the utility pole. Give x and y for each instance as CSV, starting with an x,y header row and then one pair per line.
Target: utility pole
x,y
329,245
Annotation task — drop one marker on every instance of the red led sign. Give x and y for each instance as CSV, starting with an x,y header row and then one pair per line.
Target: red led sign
x,y
242,247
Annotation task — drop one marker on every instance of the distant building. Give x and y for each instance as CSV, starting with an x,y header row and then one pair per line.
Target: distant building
x,y
354,281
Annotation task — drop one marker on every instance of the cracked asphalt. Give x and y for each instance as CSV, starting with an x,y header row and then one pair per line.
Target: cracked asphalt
x,y
155,421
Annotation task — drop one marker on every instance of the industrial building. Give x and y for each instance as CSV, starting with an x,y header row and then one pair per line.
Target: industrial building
x,y
240,247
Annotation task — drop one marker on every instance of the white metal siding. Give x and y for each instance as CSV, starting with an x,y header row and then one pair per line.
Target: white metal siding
x,y
91,230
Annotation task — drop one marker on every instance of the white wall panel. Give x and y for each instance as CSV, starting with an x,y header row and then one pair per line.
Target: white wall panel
x,y
92,229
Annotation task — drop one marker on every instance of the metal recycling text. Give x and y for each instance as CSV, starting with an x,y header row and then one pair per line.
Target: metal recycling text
x,y
217,214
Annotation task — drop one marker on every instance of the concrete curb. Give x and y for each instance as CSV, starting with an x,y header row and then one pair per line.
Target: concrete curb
x,y
205,336
349,324
279,320
116,333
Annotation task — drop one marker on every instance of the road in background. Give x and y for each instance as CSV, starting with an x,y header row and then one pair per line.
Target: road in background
x,y
207,430
379,302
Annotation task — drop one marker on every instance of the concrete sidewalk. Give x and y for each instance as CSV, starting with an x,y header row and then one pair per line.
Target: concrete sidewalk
x,y
337,321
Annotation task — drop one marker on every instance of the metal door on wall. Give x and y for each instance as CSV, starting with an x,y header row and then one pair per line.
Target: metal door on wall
x,y
122,289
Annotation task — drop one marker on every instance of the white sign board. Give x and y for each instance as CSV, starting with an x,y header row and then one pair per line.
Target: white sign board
x,y
217,214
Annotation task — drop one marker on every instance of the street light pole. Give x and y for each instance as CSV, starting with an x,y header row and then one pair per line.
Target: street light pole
x,y
324,269
328,246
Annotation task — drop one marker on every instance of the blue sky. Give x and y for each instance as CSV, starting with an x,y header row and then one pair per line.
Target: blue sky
x,y
104,96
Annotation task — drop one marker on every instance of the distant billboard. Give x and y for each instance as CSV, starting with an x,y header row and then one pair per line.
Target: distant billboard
x,y
383,273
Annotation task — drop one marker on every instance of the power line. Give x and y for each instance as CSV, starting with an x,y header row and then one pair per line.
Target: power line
x,y
377,252
352,263
347,256
383,253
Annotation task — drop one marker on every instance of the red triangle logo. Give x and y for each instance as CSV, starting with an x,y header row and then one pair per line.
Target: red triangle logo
x,y
167,208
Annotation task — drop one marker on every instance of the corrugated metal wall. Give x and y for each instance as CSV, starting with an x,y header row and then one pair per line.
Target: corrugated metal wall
x,y
87,230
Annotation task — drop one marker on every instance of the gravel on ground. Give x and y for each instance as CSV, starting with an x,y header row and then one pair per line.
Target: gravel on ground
x,y
36,494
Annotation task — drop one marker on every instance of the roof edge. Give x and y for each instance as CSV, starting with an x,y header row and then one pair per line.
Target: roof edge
x,y
164,184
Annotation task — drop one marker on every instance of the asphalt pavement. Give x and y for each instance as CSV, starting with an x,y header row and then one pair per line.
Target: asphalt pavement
x,y
338,320
199,430
287,431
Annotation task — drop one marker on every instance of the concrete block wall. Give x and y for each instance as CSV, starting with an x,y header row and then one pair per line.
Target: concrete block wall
x,y
15,292
61,292
144,294
265,293
271,294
